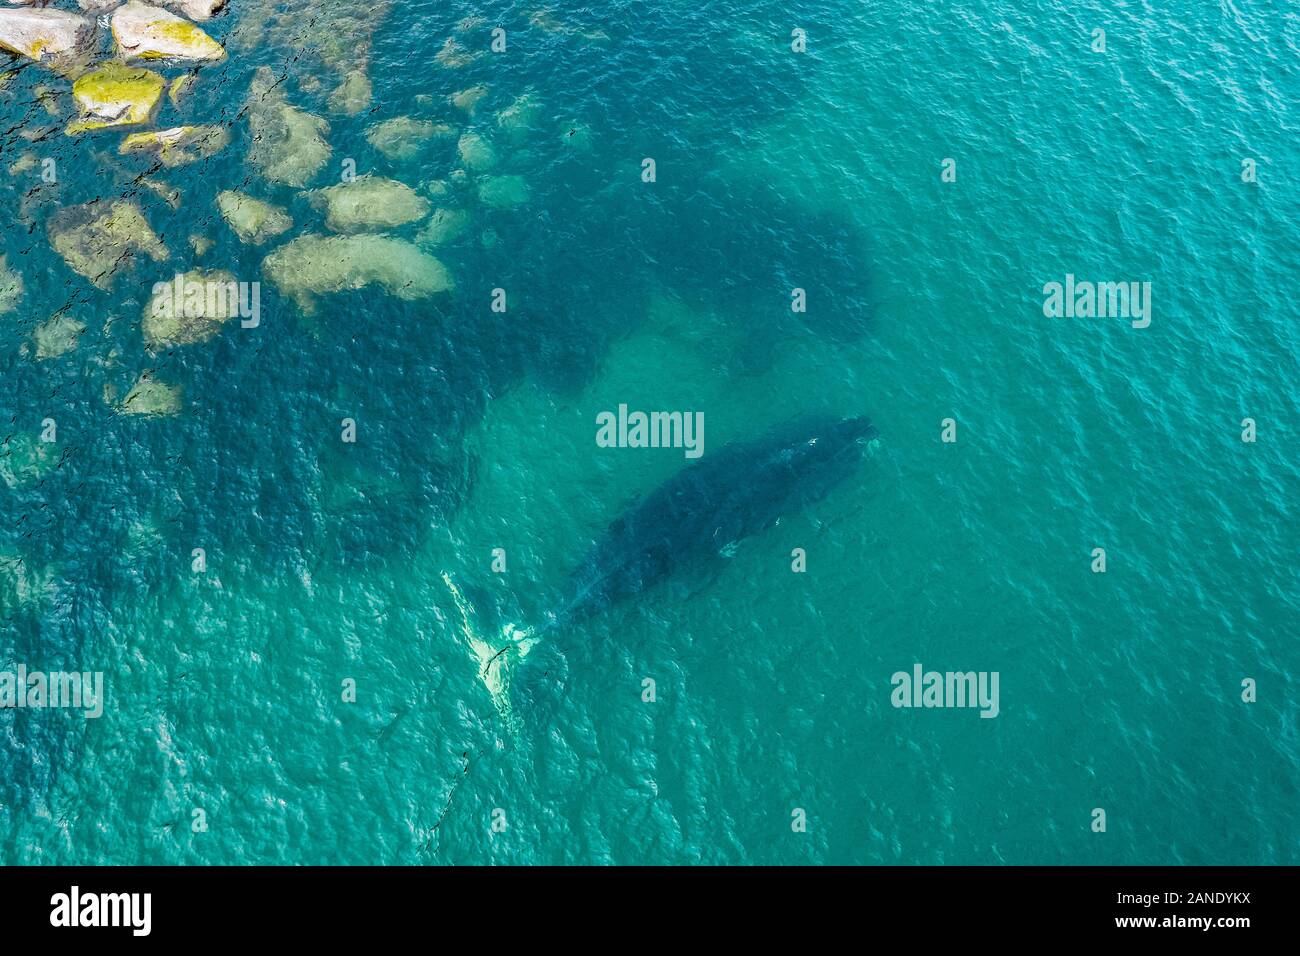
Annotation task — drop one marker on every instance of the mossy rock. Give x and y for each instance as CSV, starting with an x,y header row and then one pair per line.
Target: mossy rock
x,y
145,32
115,95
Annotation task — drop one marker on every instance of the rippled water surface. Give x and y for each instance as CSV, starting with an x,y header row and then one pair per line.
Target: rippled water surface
x,y
371,562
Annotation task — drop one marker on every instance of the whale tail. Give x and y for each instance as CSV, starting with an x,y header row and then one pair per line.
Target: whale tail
x,y
511,660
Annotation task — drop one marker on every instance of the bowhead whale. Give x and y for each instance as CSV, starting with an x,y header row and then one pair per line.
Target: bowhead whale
x,y
689,521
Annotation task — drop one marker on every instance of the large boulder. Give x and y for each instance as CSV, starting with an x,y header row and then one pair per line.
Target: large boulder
x,y
289,145
353,95
39,33
253,220
476,152
145,32
115,95
369,203
57,335
190,309
402,138
503,192
97,240
313,265
148,397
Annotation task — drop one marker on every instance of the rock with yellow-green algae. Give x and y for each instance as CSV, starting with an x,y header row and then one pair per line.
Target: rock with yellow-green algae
x,y
179,88
115,95
36,34
148,396
145,32
476,152
96,240
208,299
353,95
200,244
369,203
252,219
402,138
288,144
11,287
57,335
503,192
313,265
180,145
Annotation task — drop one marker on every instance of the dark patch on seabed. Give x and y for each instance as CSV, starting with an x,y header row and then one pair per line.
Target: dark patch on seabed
x,y
251,467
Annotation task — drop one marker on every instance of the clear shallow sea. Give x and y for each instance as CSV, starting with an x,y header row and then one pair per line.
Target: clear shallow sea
x,y
774,170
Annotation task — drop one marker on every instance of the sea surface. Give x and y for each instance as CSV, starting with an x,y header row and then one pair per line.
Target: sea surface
x,y
771,738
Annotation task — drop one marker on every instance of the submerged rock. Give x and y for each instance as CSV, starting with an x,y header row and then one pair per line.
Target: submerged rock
x,y
24,163
180,145
445,226
503,192
467,100
190,310
57,336
313,265
252,219
288,144
168,194
25,459
11,287
403,138
476,152
353,95
39,33
21,585
96,240
115,95
180,88
148,397
369,203
454,56
520,116
145,32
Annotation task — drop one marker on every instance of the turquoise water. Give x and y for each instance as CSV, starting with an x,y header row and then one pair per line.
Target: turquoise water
x,y
329,561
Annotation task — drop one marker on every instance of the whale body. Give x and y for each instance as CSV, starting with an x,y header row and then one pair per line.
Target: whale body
x,y
693,518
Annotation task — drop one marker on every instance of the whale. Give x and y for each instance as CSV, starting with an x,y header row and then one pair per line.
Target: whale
x,y
691,522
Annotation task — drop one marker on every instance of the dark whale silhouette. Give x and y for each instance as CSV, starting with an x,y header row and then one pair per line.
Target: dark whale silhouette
x,y
691,519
